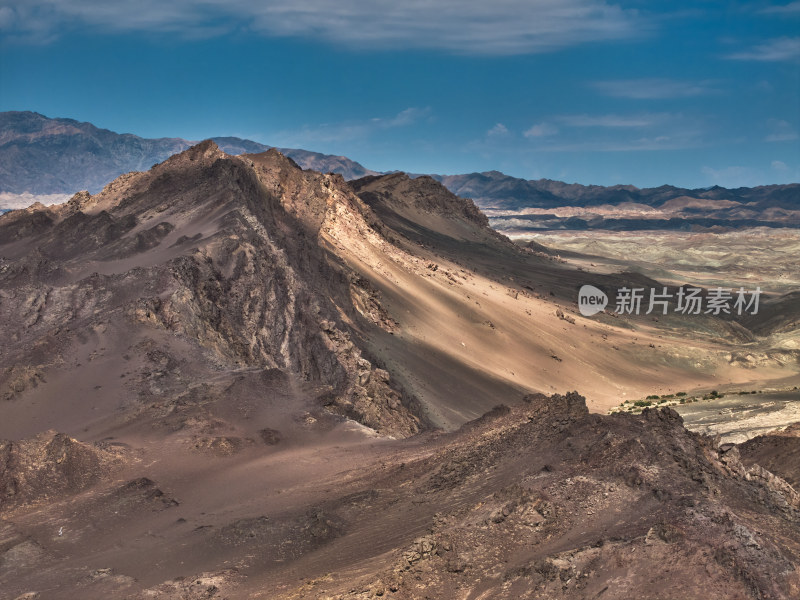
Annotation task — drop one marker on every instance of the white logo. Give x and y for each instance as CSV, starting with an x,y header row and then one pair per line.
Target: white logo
x,y
591,300
689,301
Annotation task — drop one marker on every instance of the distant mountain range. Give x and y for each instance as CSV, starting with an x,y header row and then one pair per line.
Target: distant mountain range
x,y
41,156
493,189
518,206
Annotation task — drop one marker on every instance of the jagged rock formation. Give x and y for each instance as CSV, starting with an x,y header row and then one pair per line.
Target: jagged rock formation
x,y
538,499
255,359
546,500
422,195
50,466
227,252
778,451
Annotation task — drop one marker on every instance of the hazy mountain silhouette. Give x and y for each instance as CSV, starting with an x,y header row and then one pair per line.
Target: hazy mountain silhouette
x,y
62,156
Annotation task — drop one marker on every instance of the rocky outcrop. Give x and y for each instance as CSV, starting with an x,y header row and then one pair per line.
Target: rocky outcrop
x,y
425,194
52,465
543,499
777,451
259,287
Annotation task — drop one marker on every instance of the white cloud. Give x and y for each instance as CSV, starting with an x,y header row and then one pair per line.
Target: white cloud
x,y
405,117
349,130
779,49
793,8
541,130
781,131
498,130
611,121
458,26
779,165
679,141
781,137
620,133
652,88
6,17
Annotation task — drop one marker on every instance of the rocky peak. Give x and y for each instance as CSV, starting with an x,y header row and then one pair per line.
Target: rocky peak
x,y
568,406
273,157
400,193
79,202
206,151
226,253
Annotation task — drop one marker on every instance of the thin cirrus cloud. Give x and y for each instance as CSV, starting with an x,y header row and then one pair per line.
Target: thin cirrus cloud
x,y
779,165
651,88
654,143
556,124
776,50
611,121
637,132
793,8
499,130
351,130
502,27
780,131
541,130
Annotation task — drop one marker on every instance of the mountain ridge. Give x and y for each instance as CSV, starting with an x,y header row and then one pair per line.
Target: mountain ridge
x,y
226,372
24,138
494,189
42,155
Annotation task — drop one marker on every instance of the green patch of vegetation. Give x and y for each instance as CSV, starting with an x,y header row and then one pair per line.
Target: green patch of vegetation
x,y
653,397
643,402
679,394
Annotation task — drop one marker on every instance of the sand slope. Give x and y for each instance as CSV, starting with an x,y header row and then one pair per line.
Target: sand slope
x,y
229,377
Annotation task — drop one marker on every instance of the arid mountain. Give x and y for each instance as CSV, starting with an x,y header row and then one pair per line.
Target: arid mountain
x,y
227,376
519,206
220,250
39,155
411,272
539,500
61,156
494,189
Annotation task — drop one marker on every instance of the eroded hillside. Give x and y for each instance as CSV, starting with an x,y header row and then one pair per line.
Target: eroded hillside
x,y
231,377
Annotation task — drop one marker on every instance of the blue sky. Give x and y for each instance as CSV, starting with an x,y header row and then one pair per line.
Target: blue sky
x,y
590,91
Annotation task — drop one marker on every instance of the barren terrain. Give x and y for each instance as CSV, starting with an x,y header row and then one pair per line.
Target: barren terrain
x,y
231,377
750,257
